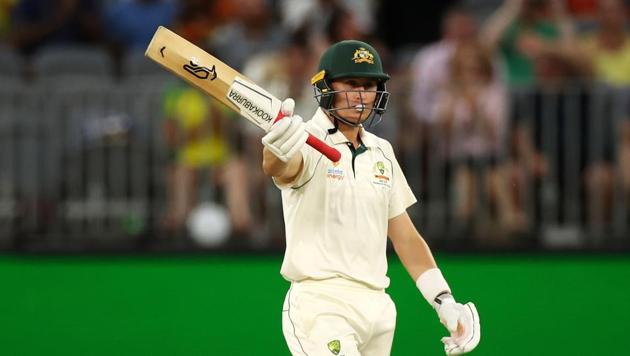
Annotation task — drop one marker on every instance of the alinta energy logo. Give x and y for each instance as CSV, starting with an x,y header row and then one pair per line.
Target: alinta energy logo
x,y
199,71
335,172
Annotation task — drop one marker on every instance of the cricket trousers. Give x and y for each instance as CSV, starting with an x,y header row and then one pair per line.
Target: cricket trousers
x,y
338,317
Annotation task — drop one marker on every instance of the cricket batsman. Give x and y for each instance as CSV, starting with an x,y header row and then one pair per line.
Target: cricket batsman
x,y
338,217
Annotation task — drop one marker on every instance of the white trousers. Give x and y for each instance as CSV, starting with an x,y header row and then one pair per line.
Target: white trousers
x,y
338,317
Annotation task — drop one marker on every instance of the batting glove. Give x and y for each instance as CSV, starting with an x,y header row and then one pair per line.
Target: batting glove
x,y
287,136
461,320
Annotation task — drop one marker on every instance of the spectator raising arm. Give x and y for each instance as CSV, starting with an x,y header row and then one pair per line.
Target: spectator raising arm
x,y
492,31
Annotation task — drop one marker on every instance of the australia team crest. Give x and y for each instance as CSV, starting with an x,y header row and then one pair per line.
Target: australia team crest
x,y
362,55
334,346
382,175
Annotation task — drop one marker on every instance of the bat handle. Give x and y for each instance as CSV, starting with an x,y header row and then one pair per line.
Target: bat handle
x,y
321,146
279,117
330,152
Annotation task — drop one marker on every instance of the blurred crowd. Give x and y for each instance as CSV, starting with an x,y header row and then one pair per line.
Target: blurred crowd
x,y
472,86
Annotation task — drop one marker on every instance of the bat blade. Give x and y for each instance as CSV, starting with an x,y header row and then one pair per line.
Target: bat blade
x,y
222,82
192,64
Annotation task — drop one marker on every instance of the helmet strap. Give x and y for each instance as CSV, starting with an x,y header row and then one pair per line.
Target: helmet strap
x,y
337,118
333,130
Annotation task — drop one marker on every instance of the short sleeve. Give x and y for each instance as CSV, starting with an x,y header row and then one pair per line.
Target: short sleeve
x,y
401,195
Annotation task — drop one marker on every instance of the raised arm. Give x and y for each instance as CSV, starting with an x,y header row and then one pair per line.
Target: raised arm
x,y
565,26
283,172
494,28
282,158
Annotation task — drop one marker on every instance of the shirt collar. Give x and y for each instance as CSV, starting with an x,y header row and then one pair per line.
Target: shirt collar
x,y
323,121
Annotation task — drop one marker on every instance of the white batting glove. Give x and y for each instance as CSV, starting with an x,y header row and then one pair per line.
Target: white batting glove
x,y
287,136
462,321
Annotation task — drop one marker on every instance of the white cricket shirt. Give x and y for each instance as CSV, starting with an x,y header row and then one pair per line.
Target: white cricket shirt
x,y
336,215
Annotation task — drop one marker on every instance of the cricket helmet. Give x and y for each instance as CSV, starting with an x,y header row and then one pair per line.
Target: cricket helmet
x,y
350,59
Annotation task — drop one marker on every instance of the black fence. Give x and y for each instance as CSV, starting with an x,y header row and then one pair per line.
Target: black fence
x,y
83,165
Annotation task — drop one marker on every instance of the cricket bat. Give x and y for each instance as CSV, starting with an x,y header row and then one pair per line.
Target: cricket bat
x,y
222,82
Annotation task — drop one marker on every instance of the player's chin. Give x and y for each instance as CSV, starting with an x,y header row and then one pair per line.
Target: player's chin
x,y
354,116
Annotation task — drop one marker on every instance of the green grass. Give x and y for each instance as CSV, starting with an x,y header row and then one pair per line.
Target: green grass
x,y
218,305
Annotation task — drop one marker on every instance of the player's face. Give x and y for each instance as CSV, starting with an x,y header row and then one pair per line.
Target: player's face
x,y
355,97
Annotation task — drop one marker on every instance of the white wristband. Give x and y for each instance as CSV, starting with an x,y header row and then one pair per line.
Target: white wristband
x,y
431,283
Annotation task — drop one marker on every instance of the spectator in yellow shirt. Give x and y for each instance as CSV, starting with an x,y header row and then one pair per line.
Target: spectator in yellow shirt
x,y
195,132
608,47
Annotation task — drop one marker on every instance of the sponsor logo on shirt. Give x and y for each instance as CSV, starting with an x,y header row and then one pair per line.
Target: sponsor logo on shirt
x,y
335,172
381,174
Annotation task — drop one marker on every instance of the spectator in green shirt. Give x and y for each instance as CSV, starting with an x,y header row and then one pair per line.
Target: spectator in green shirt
x,y
523,31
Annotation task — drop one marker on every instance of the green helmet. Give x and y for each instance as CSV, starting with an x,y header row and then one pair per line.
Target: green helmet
x,y
349,59
352,59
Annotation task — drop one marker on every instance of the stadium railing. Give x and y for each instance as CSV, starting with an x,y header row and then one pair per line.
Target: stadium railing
x,y
82,167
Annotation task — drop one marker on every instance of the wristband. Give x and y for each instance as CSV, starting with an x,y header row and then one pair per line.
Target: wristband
x,y
432,284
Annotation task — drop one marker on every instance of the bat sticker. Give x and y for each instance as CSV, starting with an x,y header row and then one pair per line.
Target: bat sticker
x,y
254,102
200,71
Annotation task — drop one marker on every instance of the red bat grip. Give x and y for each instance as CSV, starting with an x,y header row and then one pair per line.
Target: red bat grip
x,y
321,146
330,152
279,117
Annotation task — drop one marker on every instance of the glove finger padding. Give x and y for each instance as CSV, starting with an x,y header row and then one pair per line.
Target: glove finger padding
x,y
449,314
287,107
300,142
286,137
450,347
276,132
470,334
292,136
